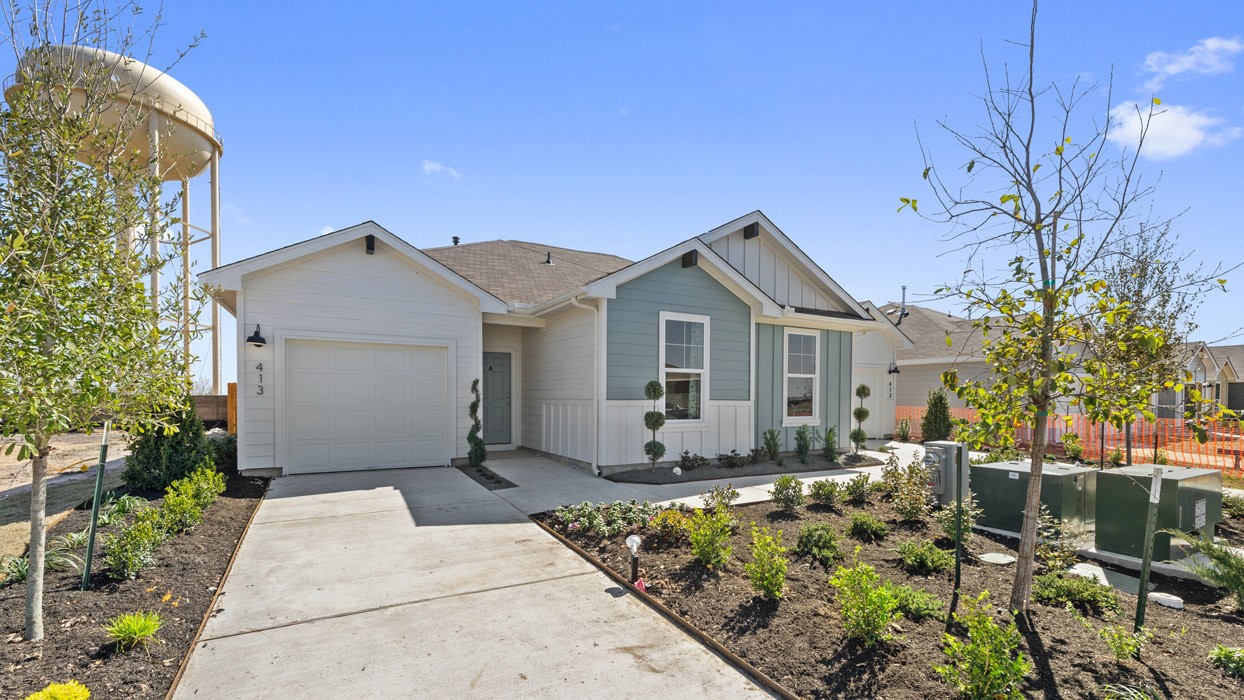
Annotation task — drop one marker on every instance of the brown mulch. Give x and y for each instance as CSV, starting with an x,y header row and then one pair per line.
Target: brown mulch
x,y
179,585
798,641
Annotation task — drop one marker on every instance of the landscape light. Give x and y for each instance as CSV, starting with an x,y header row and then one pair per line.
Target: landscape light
x,y
632,543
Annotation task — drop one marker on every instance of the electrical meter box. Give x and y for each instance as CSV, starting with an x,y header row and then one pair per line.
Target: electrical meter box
x,y
942,460
1068,491
1190,500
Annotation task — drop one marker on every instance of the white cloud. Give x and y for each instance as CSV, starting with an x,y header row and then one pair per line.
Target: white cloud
x,y
1174,130
431,167
1207,56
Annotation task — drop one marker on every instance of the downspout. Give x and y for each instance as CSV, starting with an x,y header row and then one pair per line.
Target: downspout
x,y
574,301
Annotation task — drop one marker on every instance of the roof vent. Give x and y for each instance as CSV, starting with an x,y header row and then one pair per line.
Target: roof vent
x,y
456,239
548,258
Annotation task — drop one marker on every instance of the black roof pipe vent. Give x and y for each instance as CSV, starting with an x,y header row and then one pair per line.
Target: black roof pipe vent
x,y
548,258
456,239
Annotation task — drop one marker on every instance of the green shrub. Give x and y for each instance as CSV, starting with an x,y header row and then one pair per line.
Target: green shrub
x,y
803,444
915,604
988,665
134,629
891,474
1058,543
829,444
671,524
912,497
787,492
70,541
732,460
867,528
607,519
1232,506
757,455
1125,643
225,452
686,460
205,485
133,549
1161,457
1221,566
767,570
826,492
858,437
820,542
945,516
867,607
13,569
858,489
1229,659
1072,447
71,690
1115,456
180,510
720,497
773,442
710,536
936,423
1081,593
1118,691
924,557
157,458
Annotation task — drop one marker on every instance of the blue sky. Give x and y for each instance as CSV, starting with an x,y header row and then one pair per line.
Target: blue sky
x,y
626,127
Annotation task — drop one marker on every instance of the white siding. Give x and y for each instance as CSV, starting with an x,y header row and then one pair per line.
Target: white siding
x,y
774,271
558,375
339,294
916,381
728,425
873,352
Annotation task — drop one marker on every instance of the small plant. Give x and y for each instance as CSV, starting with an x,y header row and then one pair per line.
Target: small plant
x,y
1058,541
654,420
891,474
671,524
867,528
1073,448
757,455
936,423
787,492
686,461
858,489
902,430
1160,457
1233,506
477,453
945,517
1118,691
13,569
767,571
773,442
912,498
710,536
1229,659
1221,566
826,492
829,444
70,541
732,460
134,629
988,664
1125,643
130,551
720,497
803,444
820,542
57,559
71,690
924,557
915,604
867,607
1115,457
1081,593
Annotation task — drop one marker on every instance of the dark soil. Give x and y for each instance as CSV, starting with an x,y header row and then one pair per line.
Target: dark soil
x,y
487,478
179,585
664,474
798,641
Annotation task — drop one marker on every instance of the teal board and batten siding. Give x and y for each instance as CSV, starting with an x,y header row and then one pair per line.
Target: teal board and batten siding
x,y
835,398
633,327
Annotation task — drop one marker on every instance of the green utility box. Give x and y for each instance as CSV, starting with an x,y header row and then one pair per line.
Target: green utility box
x,y
1190,500
1001,488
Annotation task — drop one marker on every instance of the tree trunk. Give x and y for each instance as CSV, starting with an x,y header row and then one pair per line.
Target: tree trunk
x,y
38,538
1025,566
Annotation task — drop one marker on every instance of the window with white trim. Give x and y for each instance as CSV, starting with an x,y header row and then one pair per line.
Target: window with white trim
x,y
684,363
802,378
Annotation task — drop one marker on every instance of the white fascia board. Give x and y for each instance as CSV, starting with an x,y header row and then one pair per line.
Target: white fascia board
x,y
941,361
888,327
808,263
712,263
793,318
229,277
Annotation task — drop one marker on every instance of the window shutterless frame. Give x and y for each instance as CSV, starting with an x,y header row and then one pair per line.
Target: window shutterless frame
x,y
801,365
687,353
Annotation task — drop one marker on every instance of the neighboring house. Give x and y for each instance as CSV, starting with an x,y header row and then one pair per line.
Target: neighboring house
x,y
921,366
1214,373
370,347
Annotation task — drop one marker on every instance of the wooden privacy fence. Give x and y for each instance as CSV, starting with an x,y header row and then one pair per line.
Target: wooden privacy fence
x,y
1172,437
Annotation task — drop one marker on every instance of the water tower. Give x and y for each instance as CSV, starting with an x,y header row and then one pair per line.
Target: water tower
x,y
177,127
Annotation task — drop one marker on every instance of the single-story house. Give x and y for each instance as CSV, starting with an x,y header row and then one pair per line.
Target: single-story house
x,y
1215,372
921,365
876,366
357,350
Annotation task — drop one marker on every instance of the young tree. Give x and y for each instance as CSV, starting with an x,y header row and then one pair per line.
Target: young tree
x,y
1045,193
78,336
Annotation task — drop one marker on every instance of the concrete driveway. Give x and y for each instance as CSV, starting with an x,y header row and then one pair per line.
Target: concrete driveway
x,y
421,583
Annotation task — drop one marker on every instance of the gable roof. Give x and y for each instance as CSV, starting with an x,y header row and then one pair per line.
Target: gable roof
x,y
927,328
1228,355
515,271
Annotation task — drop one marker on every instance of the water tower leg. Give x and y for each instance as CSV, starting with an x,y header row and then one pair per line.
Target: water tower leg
x,y
215,264
153,233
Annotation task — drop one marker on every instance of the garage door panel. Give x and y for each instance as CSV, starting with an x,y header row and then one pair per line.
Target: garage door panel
x,y
365,406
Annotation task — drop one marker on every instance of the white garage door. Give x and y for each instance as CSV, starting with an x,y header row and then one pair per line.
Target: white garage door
x,y
364,406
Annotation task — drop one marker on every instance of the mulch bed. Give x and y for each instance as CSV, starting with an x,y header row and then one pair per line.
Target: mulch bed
x,y
664,474
487,478
179,585
798,641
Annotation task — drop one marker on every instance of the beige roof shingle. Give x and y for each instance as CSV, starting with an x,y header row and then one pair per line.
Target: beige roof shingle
x,y
928,329
515,271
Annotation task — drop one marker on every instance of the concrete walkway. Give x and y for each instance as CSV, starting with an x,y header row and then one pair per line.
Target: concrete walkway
x,y
421,583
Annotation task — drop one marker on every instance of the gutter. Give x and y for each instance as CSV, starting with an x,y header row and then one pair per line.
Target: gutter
x,y
574,301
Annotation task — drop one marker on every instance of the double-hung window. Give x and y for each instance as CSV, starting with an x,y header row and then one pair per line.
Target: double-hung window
x,y
684,363
801,389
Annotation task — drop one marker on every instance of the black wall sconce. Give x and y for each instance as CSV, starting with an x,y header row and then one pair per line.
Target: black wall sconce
x,y
255,339
893,368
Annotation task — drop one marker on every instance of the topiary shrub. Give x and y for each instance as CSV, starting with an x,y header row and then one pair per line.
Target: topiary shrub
x,y
859,436
158,458
477,452
767,570
820,542
654,420
936,423
989,663
787,492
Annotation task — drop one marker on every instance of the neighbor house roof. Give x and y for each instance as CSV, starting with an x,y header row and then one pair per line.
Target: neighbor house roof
x,y
516,271
928,329
1229,354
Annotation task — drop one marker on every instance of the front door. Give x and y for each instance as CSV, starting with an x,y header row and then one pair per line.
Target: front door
x,y
496,415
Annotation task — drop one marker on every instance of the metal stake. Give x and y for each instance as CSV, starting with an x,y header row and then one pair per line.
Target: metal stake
x,y
99,493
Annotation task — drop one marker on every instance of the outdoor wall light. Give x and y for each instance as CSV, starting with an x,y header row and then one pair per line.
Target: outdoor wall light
x,y
632,543
255,339
893,368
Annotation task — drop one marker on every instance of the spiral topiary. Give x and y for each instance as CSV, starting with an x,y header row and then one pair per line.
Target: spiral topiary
x,y
477,453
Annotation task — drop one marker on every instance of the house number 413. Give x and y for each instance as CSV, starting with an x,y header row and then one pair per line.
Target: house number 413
x,y
259,386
